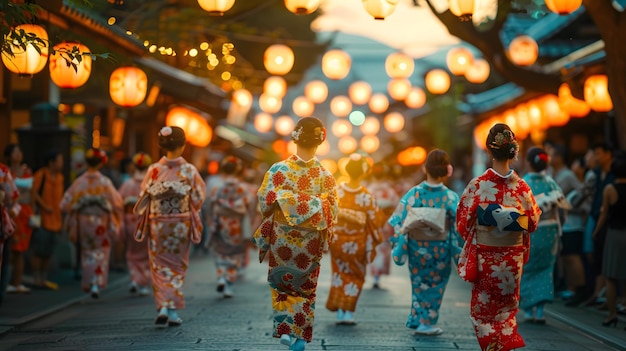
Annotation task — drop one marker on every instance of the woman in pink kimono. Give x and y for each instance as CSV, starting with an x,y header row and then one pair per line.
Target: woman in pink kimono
x,y
496,214
93,207
136,252
170,201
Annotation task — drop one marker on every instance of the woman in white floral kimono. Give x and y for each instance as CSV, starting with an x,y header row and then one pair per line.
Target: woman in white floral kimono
x,y
170,201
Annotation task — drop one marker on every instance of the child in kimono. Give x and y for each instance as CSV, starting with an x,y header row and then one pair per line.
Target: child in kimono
x,y
356,237
430,251
94,210
137,257
496,213
298,200
171,197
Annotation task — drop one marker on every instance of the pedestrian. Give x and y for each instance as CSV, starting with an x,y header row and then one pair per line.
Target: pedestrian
x,y
9,194
430,249
94,217
298,200
137,257
170,201
537,285
496,214
356,237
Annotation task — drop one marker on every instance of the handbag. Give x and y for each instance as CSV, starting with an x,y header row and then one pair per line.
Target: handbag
x,y
468,260
430,221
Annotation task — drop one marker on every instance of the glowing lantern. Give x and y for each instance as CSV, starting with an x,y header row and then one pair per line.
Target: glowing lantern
x,y
523,50
437,81
27,61
284,125
340,106
416,98
399,65
480,134
263,122
412,156
360,92
573,106
379,9
370,144
302,106
278,59
464,9
371,126
341,128
242,97
552,111
563,7
459,60
536,118
302,7
323,148
196,127
336,64
65,76
399,88
394,122
216,7
523,122
347,145
270,104
275,86
378,103
316,91
478,72
597,93
128,86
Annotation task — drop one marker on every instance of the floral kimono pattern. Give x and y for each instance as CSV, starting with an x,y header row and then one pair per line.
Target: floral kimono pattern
x,y
356,237
170,201
387,199
8,196
429,260
495,292
94,209
298,200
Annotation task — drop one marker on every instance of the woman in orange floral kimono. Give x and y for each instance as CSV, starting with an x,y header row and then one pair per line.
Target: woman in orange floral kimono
x,y
94,211
170,202
496,213
298,199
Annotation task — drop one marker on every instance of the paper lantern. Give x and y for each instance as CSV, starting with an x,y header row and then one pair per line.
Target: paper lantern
x,y
284,125
29,61
523,50
378,103
270,104
371,126
316,91
303,107
399,65
195,125
278,59
379,9
478,72
394,122
341,128
336,64
563,7
360,92
535,114
242,97
573,106
263,122
437,81
416,98
302,7
412,156
340,106
399,88
459,60
370,144
597,93
480,135
216,7
128,86
65,76
347,145
275,86
464,9
552,110
323,148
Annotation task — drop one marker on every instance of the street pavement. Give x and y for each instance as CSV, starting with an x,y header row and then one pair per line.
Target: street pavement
x,y
119,321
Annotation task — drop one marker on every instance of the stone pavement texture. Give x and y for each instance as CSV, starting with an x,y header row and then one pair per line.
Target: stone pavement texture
x,y
119,321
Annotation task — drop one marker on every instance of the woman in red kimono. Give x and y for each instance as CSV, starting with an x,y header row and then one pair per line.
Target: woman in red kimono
x,y
496,214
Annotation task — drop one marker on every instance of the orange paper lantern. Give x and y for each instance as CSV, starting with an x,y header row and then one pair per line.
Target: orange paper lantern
x,y
65,76
371,126
216,7
399,65
30,60
459,60
370,143
347,145
316,91
563,7
303,107
597,93
340,106
302,7
341,128
284,125
379,9
270,104
360,92
195,125
573,106
263,122
523,50
416,98
437,81
275,86
378,103
128,86
394,122
478,72
464,9
336,64
399,88
278,59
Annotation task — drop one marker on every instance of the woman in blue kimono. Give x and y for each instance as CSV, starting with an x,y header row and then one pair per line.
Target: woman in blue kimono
x,y
429,250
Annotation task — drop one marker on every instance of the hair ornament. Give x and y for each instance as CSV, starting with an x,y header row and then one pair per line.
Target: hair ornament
x,y
165,131
295,135
541,157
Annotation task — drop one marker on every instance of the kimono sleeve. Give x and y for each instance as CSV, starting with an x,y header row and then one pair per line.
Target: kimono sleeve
x,y
267,191
198,189
330,185
69,197
530,206
399,214
117,204
466,211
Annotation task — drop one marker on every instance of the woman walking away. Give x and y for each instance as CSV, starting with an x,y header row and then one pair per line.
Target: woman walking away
x,y
425,232
94,209
298,199
356,237
171,197
137,256
496,213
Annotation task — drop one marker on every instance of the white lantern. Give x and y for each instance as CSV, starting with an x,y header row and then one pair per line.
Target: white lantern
x,y
284,125
340,106
399,65
278,59
371,126
27,61
347,145
336,64
303,107
399,88
316,91
478,72
523,50
360,92
242,97
270,104
263,122
216,7
302,7
464,9
437,81
379,9
275,86
416,98
394,122
370,143
379,103
459,60
341,128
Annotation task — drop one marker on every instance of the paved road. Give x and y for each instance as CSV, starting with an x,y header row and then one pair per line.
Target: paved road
x,y
118,321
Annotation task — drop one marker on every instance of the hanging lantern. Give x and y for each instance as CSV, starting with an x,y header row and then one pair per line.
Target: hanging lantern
x,y
340,106
270,104
597,93
303,107
523,122
378,103
360,92
275,86
437,81
464,9
459,60
481,132
370,126
65,76
263,122
30,60
523,50
278,59
323,148
478,72
370,143
242,97
394,122
379,9
341,128
412,156
195,125
336,64
216,7
302,7
399,65
128,86
316,91
399,88
535,114
552,110
573,106
284,125
563,7
347,145
416,98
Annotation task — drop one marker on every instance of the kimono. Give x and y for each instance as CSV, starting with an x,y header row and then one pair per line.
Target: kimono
x,y
171,197
94,215
387,199
23,230
137,257
9,194
429,258
496,213
537,285
356,236
298,200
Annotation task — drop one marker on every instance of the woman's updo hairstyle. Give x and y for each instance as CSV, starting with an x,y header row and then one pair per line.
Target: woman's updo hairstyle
x,y
537,159
438,164
230,165
95,157
356,166
142,161
171,138
309,132
501,142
